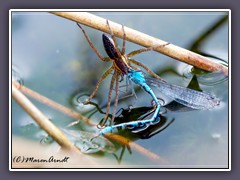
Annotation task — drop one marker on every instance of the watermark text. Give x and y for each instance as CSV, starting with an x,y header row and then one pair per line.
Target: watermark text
x,y
51,159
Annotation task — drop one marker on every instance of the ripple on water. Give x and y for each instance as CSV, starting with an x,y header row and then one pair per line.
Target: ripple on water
x,y
206,78
78,102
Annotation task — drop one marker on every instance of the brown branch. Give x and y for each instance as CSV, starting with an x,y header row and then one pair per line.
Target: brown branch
x,y
53,104
145,40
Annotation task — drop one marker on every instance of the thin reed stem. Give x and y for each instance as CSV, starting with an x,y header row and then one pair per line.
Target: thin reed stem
x,y
145,40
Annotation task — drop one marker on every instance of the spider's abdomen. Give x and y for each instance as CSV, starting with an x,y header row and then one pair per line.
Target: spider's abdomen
x,y
109,47
111,51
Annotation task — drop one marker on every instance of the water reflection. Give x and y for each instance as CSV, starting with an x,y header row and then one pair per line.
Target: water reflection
x,y
206,35
141,113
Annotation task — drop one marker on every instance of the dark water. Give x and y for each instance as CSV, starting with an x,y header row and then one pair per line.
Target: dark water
x,y
53,58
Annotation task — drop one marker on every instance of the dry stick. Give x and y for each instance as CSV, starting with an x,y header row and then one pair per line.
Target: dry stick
x,y
42,120
145,40
76,115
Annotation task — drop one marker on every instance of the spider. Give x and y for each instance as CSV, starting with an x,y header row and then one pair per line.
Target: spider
x,y
120,63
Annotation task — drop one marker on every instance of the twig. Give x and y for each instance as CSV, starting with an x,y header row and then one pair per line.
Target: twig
x,y
53,104
145,40
42,120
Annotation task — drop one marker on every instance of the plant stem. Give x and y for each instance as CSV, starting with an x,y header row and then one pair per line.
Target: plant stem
x,y
145,40
52,103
